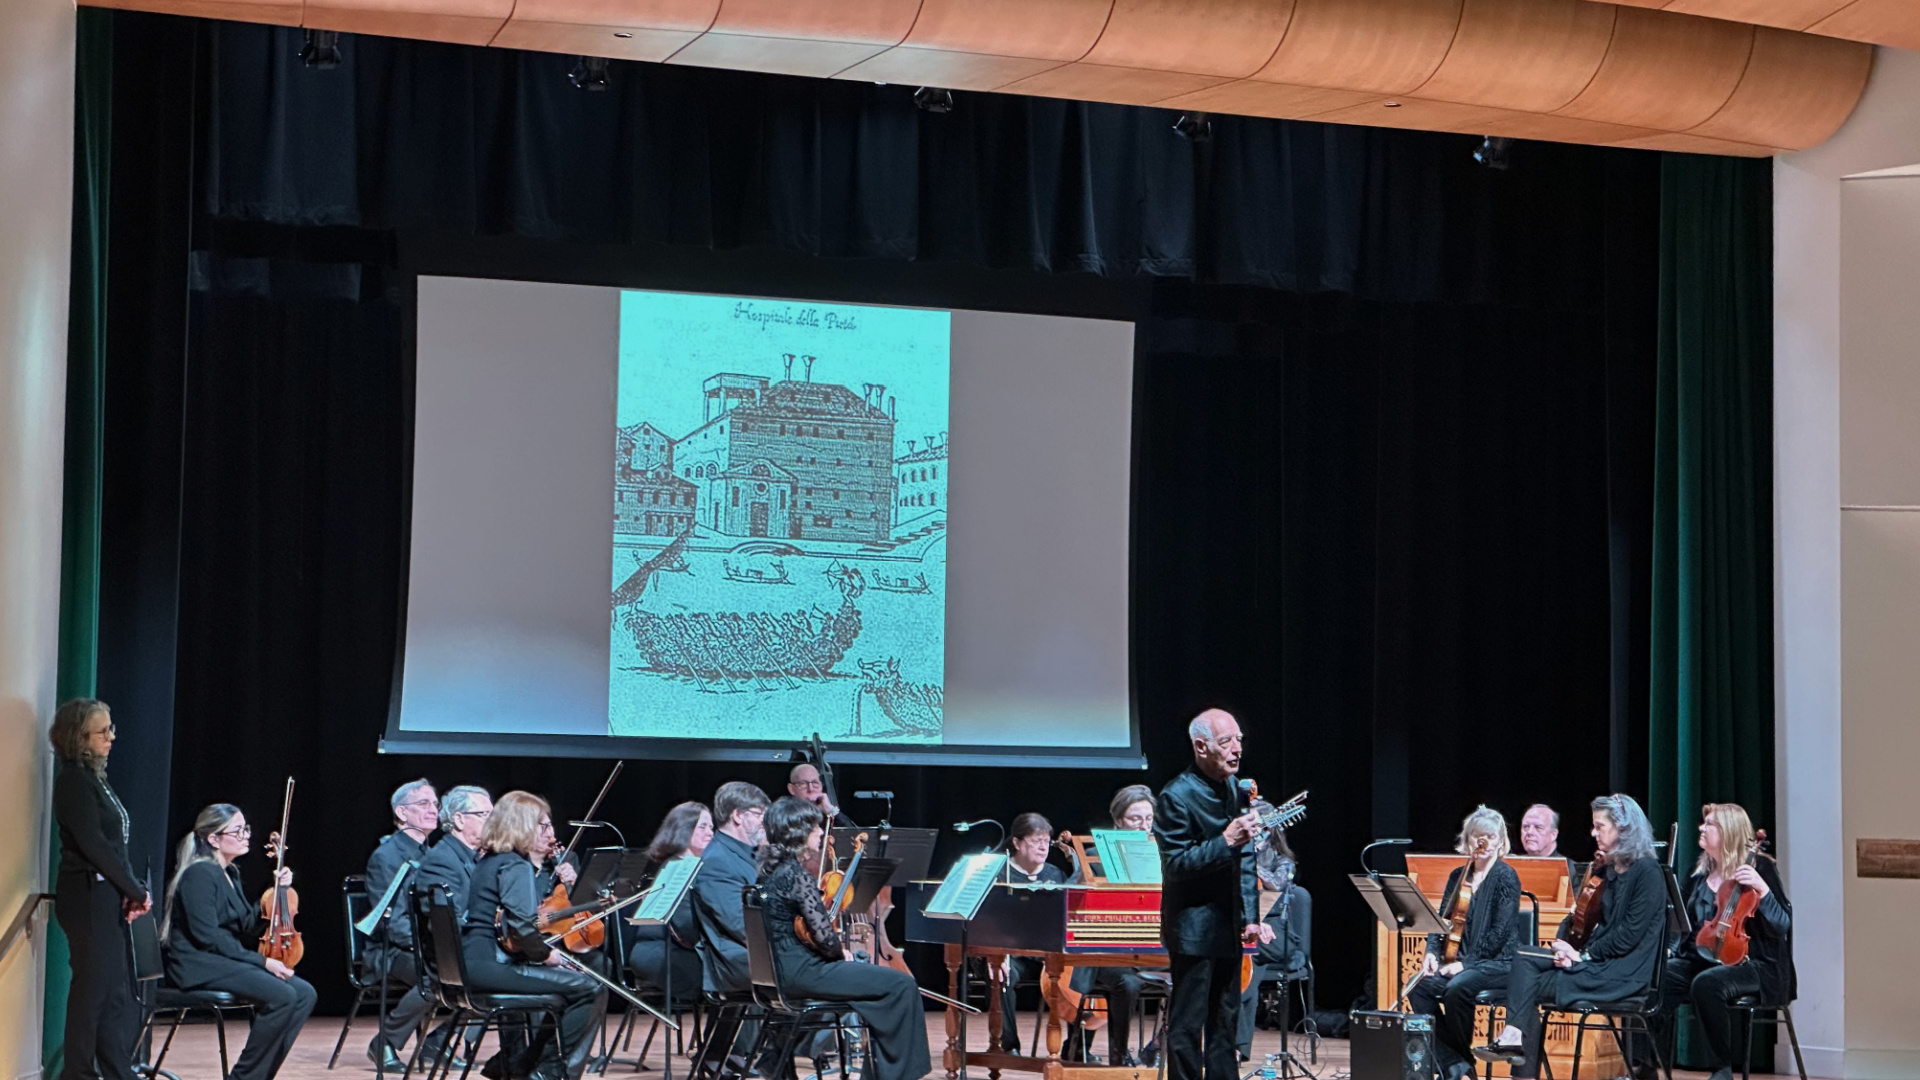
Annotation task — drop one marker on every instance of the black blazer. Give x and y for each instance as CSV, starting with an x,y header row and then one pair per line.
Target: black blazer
x,y
93,831
1628,940
449,863
727,868
1494,927
1769,930
396,850
502,889
214,926
1208,893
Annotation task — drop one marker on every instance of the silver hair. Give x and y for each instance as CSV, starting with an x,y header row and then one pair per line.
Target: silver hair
x,y
1550,810
1200,727
405,791
1484,820
1636,834
458,801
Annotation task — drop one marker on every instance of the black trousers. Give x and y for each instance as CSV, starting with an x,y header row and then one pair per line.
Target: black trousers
x,y
280,1009
1711,988
586,1001
103,1015
1450,1002
1203,1018
1121,987
402,1015
1020,969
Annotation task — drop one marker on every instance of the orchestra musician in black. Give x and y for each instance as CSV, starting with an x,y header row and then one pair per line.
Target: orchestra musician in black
x,y
1728,855
1029,839
95,896
1620,954
449,863
816,965
1130,808
502,908
1492,931
390,951
657,949
1209,904
211,930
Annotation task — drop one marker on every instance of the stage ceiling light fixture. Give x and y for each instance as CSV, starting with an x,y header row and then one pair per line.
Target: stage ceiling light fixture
x,y
934,99
1492,151
1194,126
320,49
589,73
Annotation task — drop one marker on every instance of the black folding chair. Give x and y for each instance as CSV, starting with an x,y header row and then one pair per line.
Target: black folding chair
x,y
1752,1006
788,1019
353,895
443,970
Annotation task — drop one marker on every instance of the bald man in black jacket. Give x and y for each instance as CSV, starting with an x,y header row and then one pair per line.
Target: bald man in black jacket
x,y
1209,901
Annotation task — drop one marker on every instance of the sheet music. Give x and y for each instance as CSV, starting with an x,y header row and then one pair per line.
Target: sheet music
x,y
1128,856
966,885
669,886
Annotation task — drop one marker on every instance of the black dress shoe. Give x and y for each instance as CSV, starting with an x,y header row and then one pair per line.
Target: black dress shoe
x,y
497,1066
1500,1052
384,1058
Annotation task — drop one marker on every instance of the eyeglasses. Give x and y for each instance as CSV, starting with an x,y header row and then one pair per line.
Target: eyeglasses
x,y
546,826
417,803
809,784
241,833
481,814
108,731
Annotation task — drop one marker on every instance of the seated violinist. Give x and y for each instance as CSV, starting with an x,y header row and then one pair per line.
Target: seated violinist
x,y
816,965
1618,958
502,910
212,930
1490,930
1728,856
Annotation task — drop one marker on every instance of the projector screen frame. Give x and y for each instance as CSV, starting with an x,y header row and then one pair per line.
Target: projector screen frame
x,y
781,275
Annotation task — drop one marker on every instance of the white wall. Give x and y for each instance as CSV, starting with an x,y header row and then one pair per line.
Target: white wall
x,y
36,178
1846,413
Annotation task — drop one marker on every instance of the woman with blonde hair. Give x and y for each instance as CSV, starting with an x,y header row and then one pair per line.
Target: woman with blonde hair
x,y
1446,991
212,932
502,894
1728,855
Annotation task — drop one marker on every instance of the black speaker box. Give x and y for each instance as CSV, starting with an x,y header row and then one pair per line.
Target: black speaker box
x,y
1392,1046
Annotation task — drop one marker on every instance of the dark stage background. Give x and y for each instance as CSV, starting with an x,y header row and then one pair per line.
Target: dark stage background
x,y
1393,431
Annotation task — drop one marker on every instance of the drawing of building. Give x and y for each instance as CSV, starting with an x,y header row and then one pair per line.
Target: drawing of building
x,y
642,446
653,502
832,446
920,478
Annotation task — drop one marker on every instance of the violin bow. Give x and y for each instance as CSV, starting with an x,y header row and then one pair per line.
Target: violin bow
x,y
592,811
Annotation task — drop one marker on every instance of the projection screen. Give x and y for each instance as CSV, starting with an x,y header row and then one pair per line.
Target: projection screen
x,y
658,524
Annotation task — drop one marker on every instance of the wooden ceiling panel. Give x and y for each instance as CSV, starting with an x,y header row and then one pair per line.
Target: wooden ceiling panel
x,y
1530,55
1797,90
1120,85
1696,144
1479,120
1251,97
272,12
1665,71
463,22
619,29
943,67
1042,29
1233,38
1789,14
1383,46
866,22
1884,22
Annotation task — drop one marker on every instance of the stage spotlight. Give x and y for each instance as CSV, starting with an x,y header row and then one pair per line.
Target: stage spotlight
x,y
1492,152
321,49
934,100
589,73
1194,126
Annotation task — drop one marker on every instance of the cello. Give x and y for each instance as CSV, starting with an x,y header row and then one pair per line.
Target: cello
x,y
1724,939
279,904
558,915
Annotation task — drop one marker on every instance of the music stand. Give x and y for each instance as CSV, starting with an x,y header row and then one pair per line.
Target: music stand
x,y
1399,904
601,866
672,884
912,849
871,876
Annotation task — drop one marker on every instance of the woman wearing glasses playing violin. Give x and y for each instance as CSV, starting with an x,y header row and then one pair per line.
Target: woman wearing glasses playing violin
x,y
211,931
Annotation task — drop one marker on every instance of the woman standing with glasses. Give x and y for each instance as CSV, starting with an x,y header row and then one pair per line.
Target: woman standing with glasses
x,y
502,895
95,896
211,932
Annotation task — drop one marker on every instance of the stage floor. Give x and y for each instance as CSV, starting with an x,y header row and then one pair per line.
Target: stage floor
x,y
195,1054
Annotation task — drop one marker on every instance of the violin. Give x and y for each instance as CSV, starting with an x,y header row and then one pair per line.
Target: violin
x,y
1725,939
558,914
1458,905
835,886
1586,906
279,904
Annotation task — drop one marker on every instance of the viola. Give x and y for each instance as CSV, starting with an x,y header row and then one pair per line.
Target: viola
x,y
1725,939
835,885
279,904
558,915
1458,905
1586,907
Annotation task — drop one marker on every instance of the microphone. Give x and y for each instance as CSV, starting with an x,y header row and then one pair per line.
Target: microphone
x,y
873,794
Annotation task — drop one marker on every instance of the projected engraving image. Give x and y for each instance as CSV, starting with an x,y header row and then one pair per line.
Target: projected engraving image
x,y
779,520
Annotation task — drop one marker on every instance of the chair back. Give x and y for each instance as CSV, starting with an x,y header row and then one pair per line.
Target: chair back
x,y
353,894
763,969
1530,921
442,963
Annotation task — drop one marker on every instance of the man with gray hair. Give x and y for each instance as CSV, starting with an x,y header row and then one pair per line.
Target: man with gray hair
x,y
1615,961
463,818
416,809
1209,903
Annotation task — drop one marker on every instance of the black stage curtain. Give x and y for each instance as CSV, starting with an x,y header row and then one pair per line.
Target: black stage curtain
x,y
1393,411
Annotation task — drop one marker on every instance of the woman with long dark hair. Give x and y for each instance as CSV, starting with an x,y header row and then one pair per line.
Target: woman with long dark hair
x,y
212,932
95,895
503,896
888,1000
684,833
